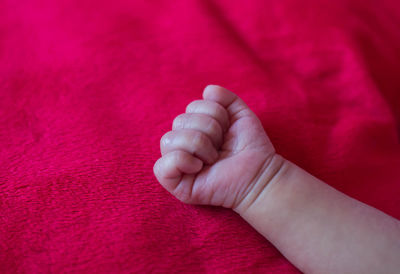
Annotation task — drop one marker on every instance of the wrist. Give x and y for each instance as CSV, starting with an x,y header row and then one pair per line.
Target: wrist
x,y
274,170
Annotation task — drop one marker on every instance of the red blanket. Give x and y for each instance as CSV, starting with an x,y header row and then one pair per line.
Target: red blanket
x,y
87,88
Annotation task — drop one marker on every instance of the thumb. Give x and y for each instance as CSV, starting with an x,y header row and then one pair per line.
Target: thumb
x,y
235,106
248,130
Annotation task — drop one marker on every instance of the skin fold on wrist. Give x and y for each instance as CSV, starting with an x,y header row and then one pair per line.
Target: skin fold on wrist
x,y
272,171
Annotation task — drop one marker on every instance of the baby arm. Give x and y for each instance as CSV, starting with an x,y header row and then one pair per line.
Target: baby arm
x,y
219,154
319,229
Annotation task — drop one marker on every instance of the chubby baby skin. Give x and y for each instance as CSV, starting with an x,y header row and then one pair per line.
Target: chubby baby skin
x,y
219,154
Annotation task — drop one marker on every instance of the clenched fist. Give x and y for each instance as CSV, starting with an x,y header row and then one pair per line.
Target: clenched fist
x,y
218,154
215,152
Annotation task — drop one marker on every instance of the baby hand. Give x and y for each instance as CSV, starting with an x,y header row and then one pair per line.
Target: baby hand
x,y
216,151
218,154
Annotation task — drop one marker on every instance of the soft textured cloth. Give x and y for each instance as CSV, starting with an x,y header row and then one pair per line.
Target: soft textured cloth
x,y
87,88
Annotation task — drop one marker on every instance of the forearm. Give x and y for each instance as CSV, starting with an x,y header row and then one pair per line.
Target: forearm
x,y
319,229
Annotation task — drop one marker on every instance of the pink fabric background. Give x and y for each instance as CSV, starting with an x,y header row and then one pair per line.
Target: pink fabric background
x,y
87,88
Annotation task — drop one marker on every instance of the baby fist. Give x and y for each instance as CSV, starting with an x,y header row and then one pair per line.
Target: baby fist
x,y
216,152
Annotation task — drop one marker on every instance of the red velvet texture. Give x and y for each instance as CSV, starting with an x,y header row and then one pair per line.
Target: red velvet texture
x,y
87,88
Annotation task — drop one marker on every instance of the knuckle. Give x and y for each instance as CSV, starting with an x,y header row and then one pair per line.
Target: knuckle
x,y
192,106
178,121
160,168
199,140
182,196
166,139
156,168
